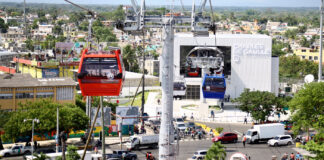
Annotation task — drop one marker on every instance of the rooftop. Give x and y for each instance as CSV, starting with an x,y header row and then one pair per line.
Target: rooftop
x,y
26,80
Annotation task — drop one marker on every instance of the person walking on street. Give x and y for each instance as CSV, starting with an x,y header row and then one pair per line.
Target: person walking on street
x,y
212,114
292,156
245,120
244,140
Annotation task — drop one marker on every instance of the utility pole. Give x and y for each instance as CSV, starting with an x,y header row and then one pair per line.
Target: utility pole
x,y
143,84
57,129
136,23
103,129
321,44
25,23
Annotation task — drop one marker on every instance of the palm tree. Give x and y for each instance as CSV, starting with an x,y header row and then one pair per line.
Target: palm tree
x,y
216,152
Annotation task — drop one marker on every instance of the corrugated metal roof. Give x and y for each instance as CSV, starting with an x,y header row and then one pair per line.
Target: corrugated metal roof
x,y
26,80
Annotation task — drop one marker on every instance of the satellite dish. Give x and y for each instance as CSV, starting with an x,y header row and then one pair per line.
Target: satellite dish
x,y
309,78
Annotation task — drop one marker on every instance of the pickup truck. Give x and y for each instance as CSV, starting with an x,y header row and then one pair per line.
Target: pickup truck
x,y
16,150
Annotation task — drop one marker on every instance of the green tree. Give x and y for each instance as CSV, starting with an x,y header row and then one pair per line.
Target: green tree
x,y
216,152
30,44
307,108
84,26
72,153
71,117
35,24
129,59
3,26
104,34
304,42
302,29
58,30
292,34
294,67
260,104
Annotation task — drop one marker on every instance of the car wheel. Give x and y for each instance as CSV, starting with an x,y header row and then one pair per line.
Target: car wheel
x,y
235,140
6,155
133,158
289,143
276,144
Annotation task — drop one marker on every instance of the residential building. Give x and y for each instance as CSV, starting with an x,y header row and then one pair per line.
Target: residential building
x,y
308,53
44,30
152,67
21,88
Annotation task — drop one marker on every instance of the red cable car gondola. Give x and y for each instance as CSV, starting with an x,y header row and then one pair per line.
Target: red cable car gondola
x,y
101,73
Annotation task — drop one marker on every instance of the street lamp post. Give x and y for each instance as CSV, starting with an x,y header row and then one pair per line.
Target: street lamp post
x,y
33,121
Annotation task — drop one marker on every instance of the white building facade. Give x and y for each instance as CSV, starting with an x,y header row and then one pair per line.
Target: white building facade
x,y
249,65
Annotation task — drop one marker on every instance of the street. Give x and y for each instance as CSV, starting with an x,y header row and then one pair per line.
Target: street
x,y
188,146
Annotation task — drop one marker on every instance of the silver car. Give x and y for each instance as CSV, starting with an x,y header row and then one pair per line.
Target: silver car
x,y
281,140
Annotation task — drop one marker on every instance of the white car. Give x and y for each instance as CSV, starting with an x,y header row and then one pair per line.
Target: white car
x,y
199,155
181,126
281,140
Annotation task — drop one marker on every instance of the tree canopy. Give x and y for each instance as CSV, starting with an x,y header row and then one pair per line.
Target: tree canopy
x,y
260,104
216,152
71,117
294,67
307,109
130,59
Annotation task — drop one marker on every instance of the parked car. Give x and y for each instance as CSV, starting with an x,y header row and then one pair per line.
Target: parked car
x,y
16,150
119,154
199,155
225,137
281,140
181,126
179,120
190,124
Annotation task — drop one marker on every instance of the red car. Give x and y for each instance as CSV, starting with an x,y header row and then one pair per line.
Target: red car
x,y
225,137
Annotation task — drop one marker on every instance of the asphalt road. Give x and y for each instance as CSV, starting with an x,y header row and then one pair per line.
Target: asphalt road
x,y
255,151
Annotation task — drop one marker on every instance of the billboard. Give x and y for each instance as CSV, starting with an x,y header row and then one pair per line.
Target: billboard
x,y
127,112
107,117
50,73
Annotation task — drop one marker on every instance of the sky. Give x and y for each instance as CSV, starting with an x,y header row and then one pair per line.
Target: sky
x,y
234,3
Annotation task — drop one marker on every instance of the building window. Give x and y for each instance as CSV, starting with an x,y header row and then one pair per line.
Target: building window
x,y
24,89
24,95
6,89
65,93
310,57
303,50
6,96
44,94
315,58
303,57
44,88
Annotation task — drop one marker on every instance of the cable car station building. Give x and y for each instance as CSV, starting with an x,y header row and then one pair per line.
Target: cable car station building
x,y
248,63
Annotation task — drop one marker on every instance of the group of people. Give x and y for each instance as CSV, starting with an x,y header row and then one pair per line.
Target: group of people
x,y
292,156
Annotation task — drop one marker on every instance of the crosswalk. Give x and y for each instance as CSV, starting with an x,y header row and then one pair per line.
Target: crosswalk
x,y
196,139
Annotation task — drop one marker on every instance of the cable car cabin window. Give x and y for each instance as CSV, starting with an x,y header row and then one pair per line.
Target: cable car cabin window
x,y
100,67
214,85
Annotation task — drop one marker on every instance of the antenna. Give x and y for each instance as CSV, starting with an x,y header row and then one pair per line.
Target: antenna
x,y
309,78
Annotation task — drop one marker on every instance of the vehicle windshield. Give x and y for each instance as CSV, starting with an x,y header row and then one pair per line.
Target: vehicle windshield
x,y
221,135
249,133
179,120
181,125
276,138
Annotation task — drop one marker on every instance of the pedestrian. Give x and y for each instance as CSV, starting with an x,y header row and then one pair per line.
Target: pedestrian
x,y
228,98
192,118
299,156
222,105
212,114
244,140
159,102
35,145
292,156
284,157
245,120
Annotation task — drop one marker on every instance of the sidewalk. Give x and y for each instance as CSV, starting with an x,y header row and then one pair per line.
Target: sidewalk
x,y
75,141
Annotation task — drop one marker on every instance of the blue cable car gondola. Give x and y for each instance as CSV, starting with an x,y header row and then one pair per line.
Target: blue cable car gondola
x,y
214,87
